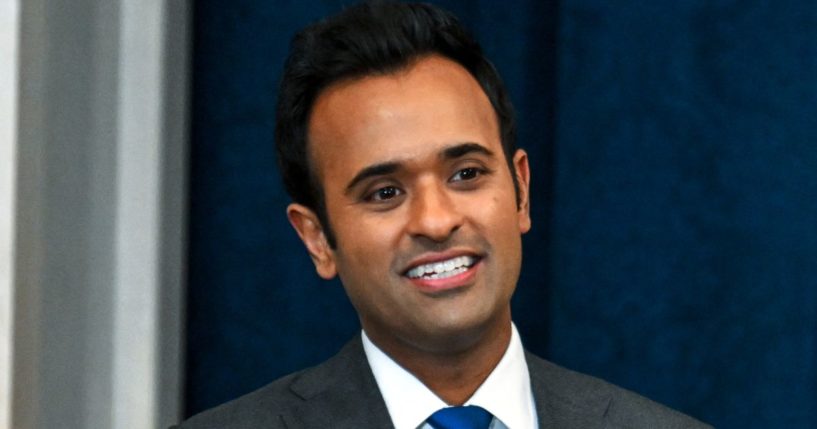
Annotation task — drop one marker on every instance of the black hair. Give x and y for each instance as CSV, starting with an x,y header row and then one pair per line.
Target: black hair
x,y
371,38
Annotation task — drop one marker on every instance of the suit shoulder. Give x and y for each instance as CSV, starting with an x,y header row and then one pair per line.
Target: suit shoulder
x,y
619,407
260,408
343,380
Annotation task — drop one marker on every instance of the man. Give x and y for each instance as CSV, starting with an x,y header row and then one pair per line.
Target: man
x,y
396,143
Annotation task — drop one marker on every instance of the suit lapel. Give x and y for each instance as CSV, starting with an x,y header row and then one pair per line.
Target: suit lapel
x,y
340,393
564,400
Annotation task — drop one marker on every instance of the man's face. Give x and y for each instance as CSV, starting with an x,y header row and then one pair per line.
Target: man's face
x,y
422,203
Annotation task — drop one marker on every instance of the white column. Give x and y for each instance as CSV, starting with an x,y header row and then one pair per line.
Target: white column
x,y
9,34
148,255
98,215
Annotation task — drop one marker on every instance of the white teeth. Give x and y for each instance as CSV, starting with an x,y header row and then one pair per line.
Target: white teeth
x,y
439,270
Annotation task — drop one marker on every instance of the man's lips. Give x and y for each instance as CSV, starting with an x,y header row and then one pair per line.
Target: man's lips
x,y
442,268
446,274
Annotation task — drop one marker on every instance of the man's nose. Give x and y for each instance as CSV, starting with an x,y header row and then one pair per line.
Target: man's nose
x,y
433,213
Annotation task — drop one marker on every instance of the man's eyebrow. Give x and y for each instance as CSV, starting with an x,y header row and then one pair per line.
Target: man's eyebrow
x,y
389,167
463,149
372,171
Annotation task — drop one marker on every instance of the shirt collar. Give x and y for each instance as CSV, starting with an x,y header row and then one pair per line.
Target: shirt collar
x,y
506,393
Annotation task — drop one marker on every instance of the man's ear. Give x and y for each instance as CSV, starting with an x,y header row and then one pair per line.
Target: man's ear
x,y
309,228
520,162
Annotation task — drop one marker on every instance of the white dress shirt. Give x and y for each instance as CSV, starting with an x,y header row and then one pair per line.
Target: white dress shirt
x,y
506,393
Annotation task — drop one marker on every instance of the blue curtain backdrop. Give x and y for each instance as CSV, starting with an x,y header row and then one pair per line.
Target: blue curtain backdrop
x,y
673,146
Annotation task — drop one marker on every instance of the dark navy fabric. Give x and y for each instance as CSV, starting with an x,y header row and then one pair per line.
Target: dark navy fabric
x,y
673,148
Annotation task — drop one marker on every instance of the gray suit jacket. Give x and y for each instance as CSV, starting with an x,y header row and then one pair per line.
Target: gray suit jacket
x,y
342,393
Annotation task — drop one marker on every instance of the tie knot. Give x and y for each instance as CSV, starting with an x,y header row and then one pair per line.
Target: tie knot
x,y
470,417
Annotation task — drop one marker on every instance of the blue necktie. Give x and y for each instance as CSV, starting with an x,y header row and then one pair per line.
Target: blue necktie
x,y
470,417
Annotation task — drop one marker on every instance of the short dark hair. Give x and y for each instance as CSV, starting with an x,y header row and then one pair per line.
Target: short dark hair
x,y
371,38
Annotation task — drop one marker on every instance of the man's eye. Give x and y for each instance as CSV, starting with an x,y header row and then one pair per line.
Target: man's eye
x,y
469,173
384,194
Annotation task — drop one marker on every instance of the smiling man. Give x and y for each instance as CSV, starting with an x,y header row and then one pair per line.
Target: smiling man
x,y
396,142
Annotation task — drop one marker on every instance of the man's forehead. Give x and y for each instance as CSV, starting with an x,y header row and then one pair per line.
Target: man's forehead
x,y
431,105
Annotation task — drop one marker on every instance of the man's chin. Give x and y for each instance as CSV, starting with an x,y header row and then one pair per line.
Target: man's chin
x,y
455,336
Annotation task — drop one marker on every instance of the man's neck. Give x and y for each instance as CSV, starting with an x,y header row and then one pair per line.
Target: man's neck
x,y
453,375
